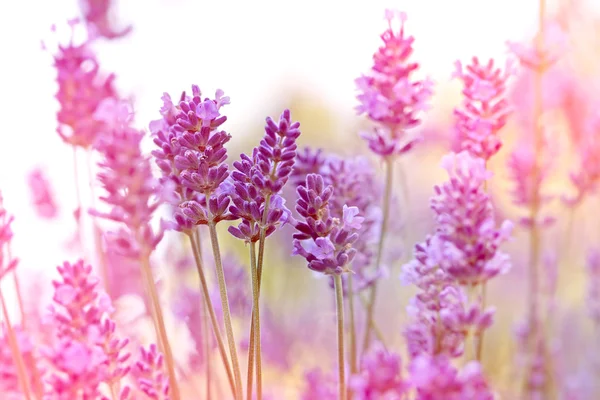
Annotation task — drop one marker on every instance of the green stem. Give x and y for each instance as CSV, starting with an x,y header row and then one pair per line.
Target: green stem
x,y
214,239
100,251
16,353
353,358
79,202
339,302
160,325
259,266
389,179
534,242
256,326
211,311
376,330
479,335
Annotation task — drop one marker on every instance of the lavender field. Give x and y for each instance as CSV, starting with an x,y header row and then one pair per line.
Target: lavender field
x,y
300,200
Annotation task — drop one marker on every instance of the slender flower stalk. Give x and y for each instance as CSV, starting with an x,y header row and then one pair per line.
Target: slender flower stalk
x,y
214,240
352,327
78,216
535,239
393,99
160,325
258,181
24,380
211,312
326,244
18,292
100,250
385,210
207,355
256,325
339,301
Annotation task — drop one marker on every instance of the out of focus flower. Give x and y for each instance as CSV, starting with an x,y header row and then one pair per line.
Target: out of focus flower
x,y
593,294
434,378
427,333
466,222
308,161
521,166
319,386
389,94
42,196
324,241
485,108
587,176
150,375
6,234
542,55
380,376
99,19
87,351
9,378
131,191
262,177
81,88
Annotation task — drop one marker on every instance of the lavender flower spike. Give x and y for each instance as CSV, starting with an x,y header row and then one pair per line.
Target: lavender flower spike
x,y
258,181
389,95
325,242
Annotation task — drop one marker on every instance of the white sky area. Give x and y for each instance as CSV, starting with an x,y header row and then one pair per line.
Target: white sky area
x,y
251,49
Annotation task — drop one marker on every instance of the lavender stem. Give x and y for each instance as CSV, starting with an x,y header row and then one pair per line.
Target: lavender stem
x,y
256,347
389,179
353,358
226,311
161,330
211,312
339,302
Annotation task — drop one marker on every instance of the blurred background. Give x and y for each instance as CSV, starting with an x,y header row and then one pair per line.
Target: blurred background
x,y
305,55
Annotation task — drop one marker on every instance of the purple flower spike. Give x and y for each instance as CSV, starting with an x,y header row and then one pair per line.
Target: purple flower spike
x,y
262,177
308,161
325,242
389,95
191,155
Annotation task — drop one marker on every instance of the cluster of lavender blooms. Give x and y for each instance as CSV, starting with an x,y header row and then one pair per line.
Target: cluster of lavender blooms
x,y
355,183
84,348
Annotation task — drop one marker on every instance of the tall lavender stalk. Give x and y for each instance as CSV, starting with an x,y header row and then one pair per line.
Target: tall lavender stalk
x,y
392,98
258,180
483,114
326,244
133,196
192,159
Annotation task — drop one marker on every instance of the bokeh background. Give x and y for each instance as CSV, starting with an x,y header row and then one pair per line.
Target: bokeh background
x,y
305,55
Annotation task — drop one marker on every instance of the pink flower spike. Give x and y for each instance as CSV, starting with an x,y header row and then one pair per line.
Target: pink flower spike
x,y
389,94
485,108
